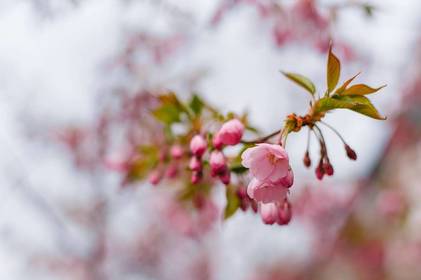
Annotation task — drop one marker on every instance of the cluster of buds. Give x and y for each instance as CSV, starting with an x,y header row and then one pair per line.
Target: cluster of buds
x,y
324,166
245,201
168,166
230,134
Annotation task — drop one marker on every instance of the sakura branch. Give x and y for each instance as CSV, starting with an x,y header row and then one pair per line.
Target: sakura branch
x,y
196,136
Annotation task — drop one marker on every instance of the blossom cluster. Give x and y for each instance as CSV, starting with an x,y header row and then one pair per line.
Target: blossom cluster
x,y
259,175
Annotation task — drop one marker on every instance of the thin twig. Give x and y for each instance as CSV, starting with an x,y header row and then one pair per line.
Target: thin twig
x,y
262,139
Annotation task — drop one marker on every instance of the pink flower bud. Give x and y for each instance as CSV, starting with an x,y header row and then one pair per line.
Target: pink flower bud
x,y
218,163
198,145
155,177
328,168
254,206
171,171
350,153
195,164
284,213
307,160
196,177
320,172
177,152
269,213
217,142
230,133
242,192
225,177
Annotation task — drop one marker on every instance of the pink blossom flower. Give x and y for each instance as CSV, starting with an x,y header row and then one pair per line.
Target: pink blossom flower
x,y
267,162
218,163
266,191
198,145
230,133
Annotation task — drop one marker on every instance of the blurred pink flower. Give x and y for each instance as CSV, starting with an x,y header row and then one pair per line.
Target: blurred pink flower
x,y
195,164
267,162
230,133
177,152
155,177
198,145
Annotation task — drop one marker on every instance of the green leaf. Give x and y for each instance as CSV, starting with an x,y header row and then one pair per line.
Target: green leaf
x,y
233,202
361,89
196,105
141,167
168,113
238,168
333,71
342,88
301,81
356,103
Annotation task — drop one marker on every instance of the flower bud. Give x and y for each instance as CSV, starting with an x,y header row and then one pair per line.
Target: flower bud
x,y
198,145
242,192
196,177
171,171
269,213
328,168
230,133
176,152
320,172
155,177
195,164
307,160
225,177
254,205
350,153
284,213
218,163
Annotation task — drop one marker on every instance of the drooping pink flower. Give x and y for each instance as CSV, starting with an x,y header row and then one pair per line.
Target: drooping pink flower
x,y
269,213
218,163
198,145
230,133
267,162
266,191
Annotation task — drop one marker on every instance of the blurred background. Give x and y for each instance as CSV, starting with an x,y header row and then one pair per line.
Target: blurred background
x,y
66,66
